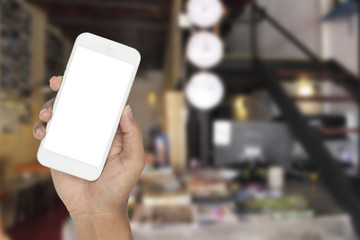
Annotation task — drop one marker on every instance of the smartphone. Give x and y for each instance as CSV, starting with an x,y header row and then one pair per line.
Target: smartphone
x,y
88,106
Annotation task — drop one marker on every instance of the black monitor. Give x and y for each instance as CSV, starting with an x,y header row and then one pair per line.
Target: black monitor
x,y
239,142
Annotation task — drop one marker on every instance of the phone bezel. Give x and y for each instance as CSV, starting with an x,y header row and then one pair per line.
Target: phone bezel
x,y
110,48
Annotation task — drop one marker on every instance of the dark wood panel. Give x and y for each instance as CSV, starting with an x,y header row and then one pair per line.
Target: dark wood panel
x,y
143,24
134,4
116,13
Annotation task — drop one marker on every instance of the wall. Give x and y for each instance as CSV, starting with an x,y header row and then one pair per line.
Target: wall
x,y
147,115
336,39
341,39
20,147
299,17
331,40
341,42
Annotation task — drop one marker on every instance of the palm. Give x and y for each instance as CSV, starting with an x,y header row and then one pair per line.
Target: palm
x,y
121,172
83,193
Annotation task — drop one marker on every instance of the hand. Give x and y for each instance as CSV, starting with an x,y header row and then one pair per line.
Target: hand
x,y
102,203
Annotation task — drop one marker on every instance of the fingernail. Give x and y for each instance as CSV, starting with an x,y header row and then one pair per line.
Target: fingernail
x,y
38,131
42,110
128,109
51,79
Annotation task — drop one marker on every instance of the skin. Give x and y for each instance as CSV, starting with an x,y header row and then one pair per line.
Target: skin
x,y
3,235
99,208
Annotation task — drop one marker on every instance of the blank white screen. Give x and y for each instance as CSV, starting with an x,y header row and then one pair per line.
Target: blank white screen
x,y
91,97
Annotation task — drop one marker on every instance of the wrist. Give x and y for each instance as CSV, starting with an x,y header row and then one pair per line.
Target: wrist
x,y
101,210
108,225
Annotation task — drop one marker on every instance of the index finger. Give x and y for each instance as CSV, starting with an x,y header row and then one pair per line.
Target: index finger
x,y
55,83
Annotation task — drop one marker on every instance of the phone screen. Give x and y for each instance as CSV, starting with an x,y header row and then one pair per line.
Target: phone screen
x,y
91,97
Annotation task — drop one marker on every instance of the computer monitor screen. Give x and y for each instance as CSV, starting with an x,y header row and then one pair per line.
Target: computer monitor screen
x,y
240,142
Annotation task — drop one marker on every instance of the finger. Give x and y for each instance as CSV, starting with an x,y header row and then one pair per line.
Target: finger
x,y
131,133
46,112
39,130
55,83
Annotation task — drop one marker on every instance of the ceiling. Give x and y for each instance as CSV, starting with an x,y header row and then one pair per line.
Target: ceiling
x,y
142,24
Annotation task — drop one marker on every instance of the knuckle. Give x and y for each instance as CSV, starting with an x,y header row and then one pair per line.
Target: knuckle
x,y
36,125
49,104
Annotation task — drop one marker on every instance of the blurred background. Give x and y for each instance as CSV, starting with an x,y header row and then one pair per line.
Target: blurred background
x,y
249,111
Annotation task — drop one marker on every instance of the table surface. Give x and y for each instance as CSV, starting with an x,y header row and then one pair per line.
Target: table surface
x,y
33,167
318,196
333,227
330,223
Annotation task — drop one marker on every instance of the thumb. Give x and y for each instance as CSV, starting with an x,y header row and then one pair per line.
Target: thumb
x,y
131,133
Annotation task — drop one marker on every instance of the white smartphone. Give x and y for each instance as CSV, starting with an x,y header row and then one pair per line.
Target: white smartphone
x,y
88,106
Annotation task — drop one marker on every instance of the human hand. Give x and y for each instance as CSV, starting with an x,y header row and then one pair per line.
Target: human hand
x,y
100,206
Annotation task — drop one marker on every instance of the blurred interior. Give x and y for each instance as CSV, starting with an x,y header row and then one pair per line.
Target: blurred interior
x,y
249,112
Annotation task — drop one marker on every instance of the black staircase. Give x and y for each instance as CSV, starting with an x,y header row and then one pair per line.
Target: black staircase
x,y
334,178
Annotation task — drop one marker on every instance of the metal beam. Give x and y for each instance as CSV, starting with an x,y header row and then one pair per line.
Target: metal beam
x,y
253,31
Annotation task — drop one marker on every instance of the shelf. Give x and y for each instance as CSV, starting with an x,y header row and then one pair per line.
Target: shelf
x,y
2,197
33,167
324,99
15,47
315,75
339,131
